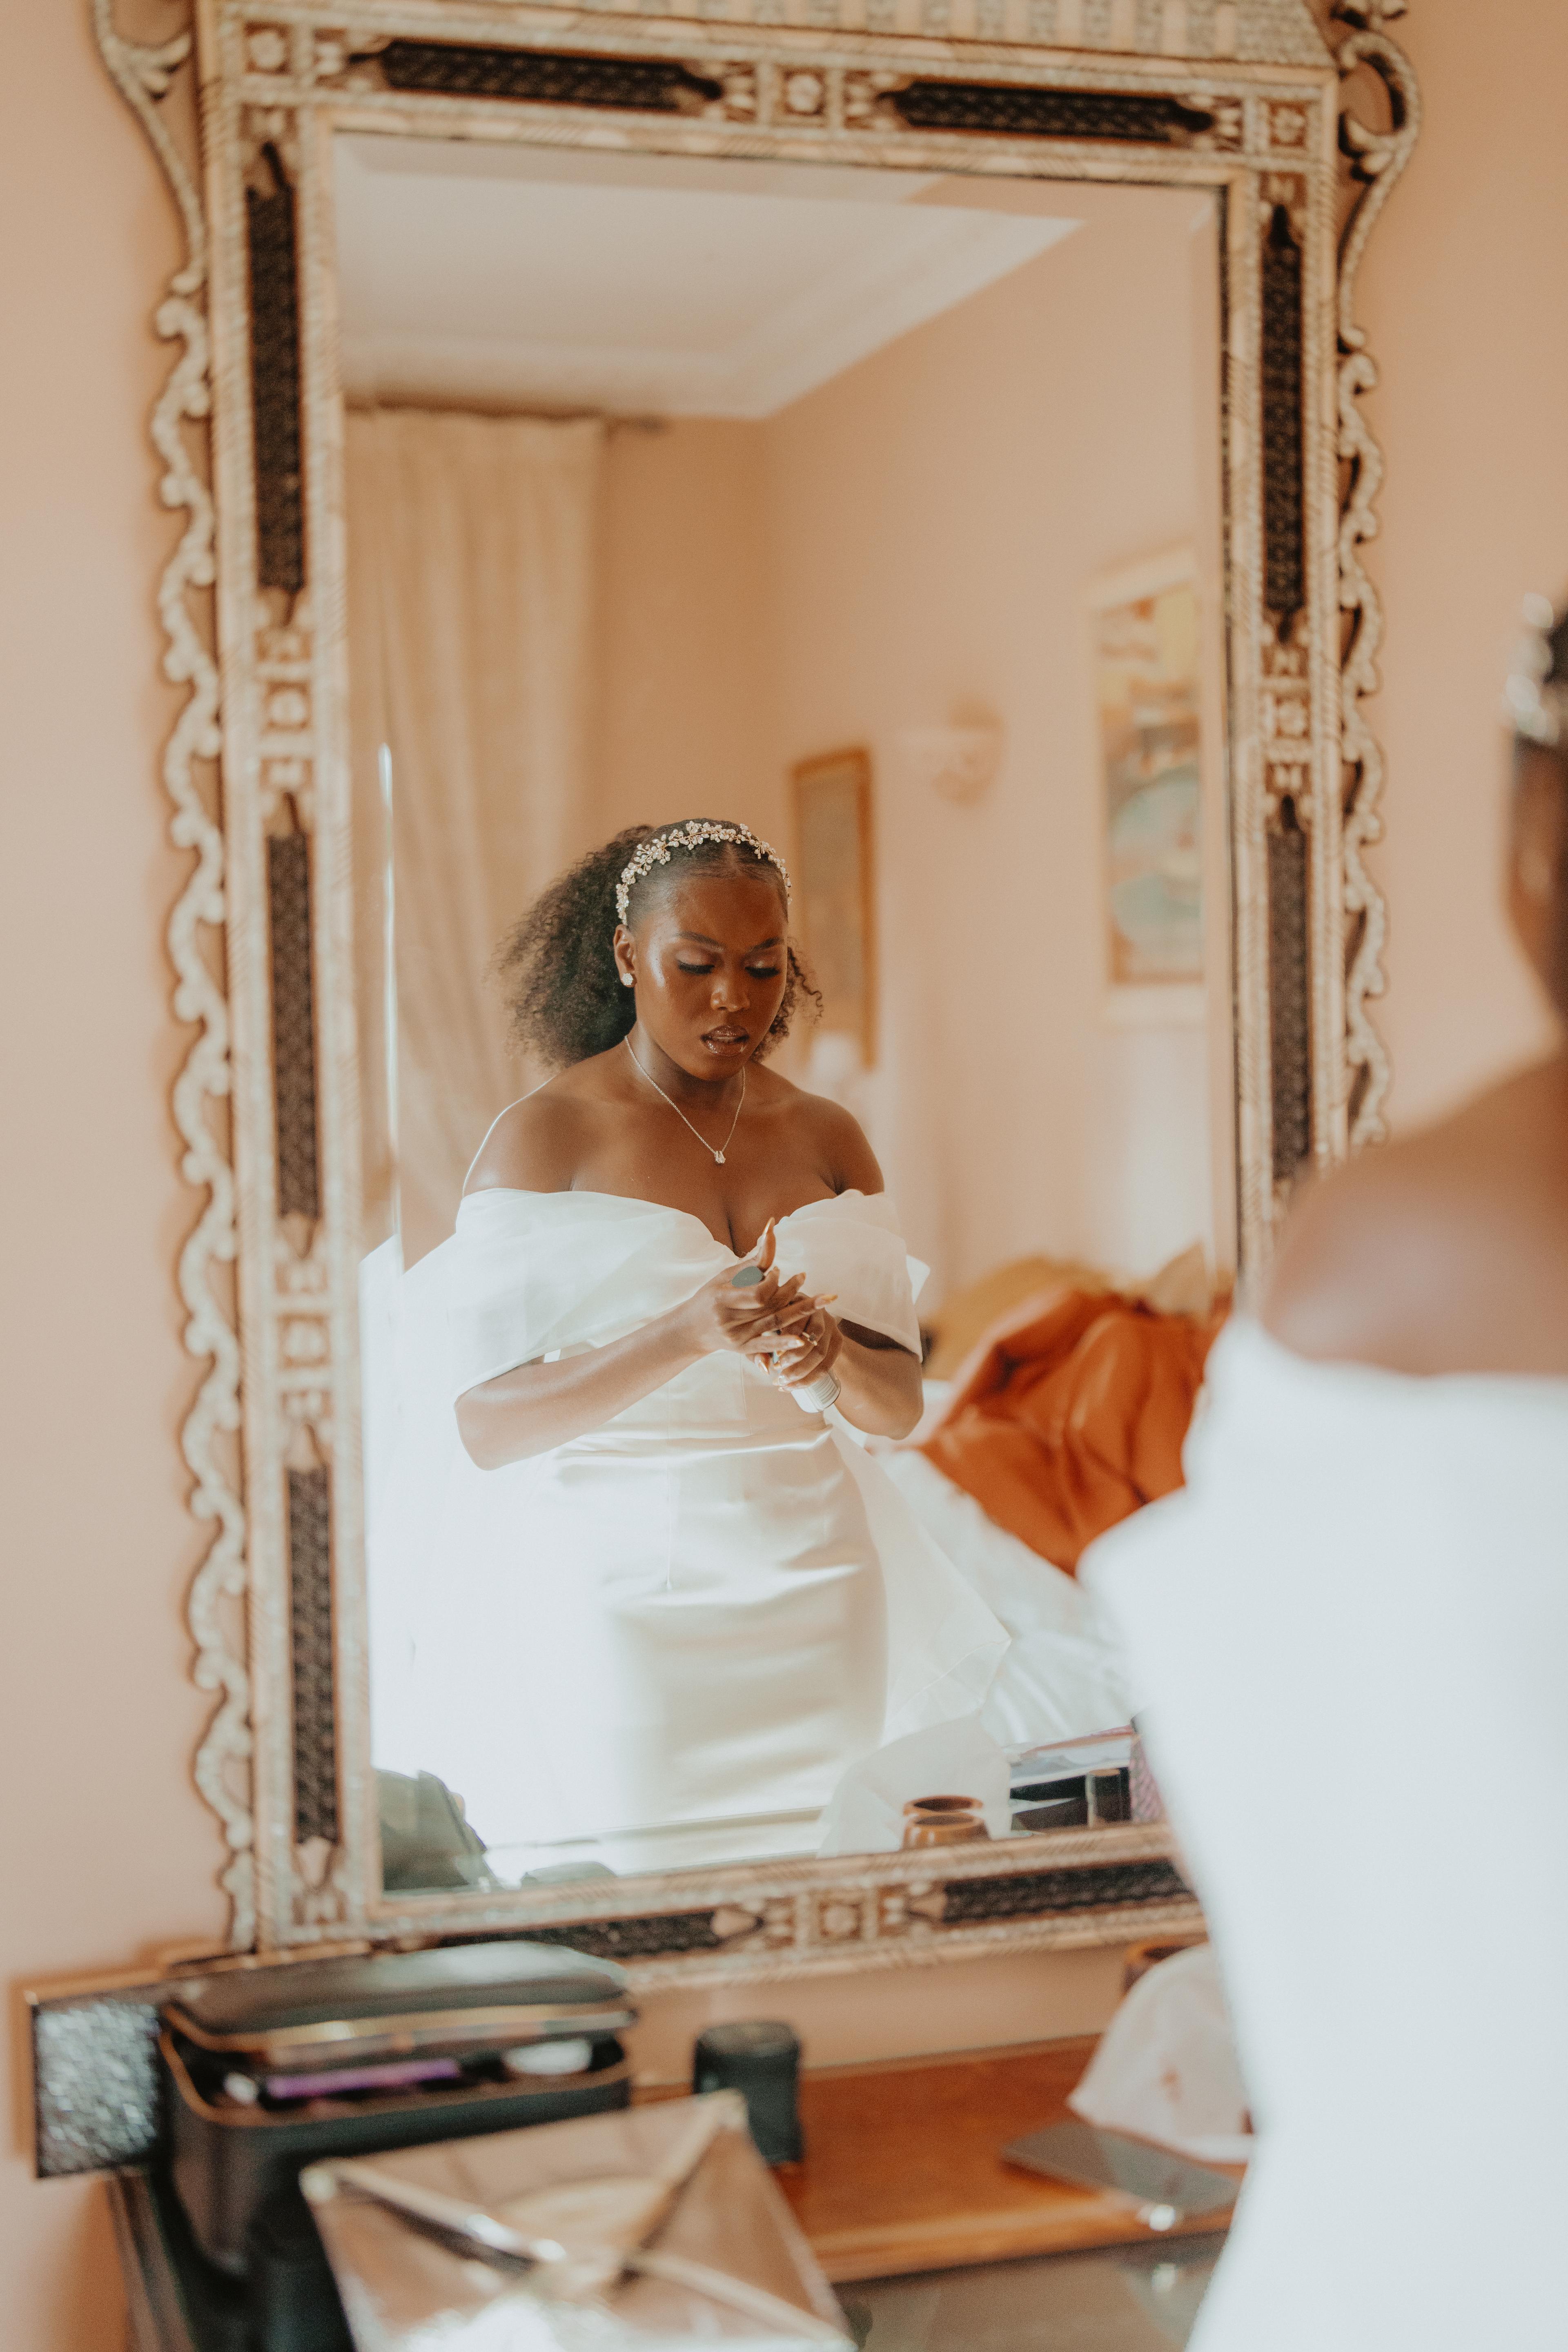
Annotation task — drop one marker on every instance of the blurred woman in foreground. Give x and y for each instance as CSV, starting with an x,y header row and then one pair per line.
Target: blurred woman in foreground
x,y
1353,1631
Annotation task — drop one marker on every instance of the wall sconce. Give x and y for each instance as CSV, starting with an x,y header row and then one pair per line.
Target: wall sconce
x,y
957,762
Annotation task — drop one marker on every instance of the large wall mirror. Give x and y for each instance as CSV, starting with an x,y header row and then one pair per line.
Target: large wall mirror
x,y
932,448
664,475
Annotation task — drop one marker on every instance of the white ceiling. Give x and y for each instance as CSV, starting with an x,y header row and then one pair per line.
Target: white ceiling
x,y
648,285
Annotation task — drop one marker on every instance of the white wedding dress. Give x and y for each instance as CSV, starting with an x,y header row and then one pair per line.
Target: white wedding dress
x,y
1349,1639
707,1609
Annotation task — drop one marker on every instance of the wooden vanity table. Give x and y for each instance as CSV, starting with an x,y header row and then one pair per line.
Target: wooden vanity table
x,y
907,2204
927,2234
903,2169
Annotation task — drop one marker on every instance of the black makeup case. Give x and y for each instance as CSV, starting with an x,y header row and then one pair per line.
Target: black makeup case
x,y
235,2051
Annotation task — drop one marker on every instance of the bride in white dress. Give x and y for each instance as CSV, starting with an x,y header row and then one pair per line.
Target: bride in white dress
x,y
1350,1637
652,1589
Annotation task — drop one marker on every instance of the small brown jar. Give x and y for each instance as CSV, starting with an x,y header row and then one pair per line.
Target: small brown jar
x,y
944,1820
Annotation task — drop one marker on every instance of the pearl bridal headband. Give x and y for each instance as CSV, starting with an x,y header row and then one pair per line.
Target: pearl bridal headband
x,y
691,837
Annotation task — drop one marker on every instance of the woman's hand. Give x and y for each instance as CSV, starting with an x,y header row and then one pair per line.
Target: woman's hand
x,y
752,1320
812,1346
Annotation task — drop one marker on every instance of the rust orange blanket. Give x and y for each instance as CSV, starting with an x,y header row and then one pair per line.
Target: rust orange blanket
x,y
1070,1413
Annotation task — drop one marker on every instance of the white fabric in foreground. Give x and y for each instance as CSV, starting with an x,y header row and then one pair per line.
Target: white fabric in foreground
x,y
1353,1629
706,1609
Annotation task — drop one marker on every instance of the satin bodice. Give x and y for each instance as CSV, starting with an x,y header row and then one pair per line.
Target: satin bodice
x,y
530,1274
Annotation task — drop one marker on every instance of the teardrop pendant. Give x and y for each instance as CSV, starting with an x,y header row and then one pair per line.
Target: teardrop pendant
x,y
718,1160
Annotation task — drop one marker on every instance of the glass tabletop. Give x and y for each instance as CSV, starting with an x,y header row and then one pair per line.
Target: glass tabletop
x,y
1140,2298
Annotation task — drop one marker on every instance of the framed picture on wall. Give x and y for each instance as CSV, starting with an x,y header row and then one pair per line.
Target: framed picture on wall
x,y
834,891
1145,666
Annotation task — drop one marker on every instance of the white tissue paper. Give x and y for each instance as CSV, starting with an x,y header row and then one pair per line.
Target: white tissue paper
x,y
1166,2067
865,1813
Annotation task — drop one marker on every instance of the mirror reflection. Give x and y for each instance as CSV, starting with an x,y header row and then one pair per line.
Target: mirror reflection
x,y
792,985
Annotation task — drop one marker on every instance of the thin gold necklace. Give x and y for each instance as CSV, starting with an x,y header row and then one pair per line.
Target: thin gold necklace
x,y
675,1106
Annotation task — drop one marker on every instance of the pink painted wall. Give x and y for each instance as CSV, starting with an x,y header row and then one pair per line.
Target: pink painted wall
x,y
1465,291
685,678
936,517
107,1848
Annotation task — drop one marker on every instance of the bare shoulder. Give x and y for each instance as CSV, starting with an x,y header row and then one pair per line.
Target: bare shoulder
x,y
535,1144
1357,1259
837,1135
1445,1253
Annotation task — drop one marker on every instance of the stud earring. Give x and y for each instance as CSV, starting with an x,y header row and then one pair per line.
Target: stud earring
x,y
626,980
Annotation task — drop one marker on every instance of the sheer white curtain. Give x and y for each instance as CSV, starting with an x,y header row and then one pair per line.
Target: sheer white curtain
x,y
472,557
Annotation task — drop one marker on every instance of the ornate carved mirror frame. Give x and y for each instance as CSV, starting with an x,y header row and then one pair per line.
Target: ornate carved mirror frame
x,y
1301,130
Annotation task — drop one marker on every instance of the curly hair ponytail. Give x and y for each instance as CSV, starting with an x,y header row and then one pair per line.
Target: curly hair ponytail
x,y
1546,753
1557,682
557,966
